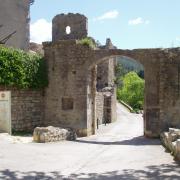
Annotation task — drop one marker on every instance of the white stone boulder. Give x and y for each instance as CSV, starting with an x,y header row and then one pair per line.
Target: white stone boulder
x,y
52,134
171,140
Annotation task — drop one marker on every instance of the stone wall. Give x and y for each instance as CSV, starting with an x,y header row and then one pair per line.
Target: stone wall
x,y
69,96
100,107
113,106
70,99
106,107
27,109
170,93
161,104
102,75
110,108
106,69
14,16
105,80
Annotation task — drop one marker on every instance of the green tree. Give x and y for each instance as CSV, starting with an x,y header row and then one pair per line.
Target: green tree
x,y
132,91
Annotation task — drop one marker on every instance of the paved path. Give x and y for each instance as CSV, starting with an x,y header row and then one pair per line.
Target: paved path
x,y
118,151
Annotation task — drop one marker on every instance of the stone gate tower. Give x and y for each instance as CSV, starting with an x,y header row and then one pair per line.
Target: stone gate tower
x,y
71,97
66,101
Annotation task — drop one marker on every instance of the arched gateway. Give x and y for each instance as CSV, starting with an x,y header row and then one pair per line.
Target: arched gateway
x,y
71,94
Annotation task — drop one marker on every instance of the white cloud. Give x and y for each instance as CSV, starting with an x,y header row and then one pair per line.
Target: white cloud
x,y
178,39
108,15
147,22
40,31
138,21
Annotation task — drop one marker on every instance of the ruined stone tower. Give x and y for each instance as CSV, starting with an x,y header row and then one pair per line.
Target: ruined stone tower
x,y
70,26
71,98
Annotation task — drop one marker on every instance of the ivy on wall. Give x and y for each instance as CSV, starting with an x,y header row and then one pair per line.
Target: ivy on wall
x,y
21,69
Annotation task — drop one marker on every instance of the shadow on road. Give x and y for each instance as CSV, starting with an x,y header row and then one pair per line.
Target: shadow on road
x,y
136,141
160,172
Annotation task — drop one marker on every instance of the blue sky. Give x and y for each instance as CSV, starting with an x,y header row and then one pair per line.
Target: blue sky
x,y
129,23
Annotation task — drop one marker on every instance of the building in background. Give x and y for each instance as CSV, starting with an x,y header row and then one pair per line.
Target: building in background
x,y
14,23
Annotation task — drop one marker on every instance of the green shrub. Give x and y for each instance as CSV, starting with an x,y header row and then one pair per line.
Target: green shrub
x,y
132,91
87,42
21,69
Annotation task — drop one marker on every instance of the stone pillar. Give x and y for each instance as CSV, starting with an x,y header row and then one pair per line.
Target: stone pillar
x,y
94,82
170,93
151,101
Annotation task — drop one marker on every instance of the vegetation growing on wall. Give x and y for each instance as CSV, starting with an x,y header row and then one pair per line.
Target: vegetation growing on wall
x,y
21,69
88,41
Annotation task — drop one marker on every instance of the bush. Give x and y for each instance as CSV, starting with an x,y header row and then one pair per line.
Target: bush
x,y
132,91
87,42
21,69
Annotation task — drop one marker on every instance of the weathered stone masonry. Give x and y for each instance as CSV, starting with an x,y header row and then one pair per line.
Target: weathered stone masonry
x,y
76,22
27,109
161,85
73,63
106,88
67,102
73,102
99,108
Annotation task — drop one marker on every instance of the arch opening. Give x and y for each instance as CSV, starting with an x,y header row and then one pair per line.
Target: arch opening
x,y
103,83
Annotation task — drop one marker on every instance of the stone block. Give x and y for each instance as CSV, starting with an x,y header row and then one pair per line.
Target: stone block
x,y
177,150
52,134
171,141
175,131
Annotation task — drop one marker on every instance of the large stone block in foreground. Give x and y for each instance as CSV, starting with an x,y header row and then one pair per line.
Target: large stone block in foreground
x,y
171,140
52,134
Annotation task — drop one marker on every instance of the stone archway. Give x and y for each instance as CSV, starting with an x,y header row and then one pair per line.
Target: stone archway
x,y
70,63
162,77
104,95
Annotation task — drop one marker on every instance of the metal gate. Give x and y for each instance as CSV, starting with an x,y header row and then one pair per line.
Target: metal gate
x,y
5,111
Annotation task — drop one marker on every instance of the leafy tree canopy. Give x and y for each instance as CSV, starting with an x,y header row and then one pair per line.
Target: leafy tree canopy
x,y
132,91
